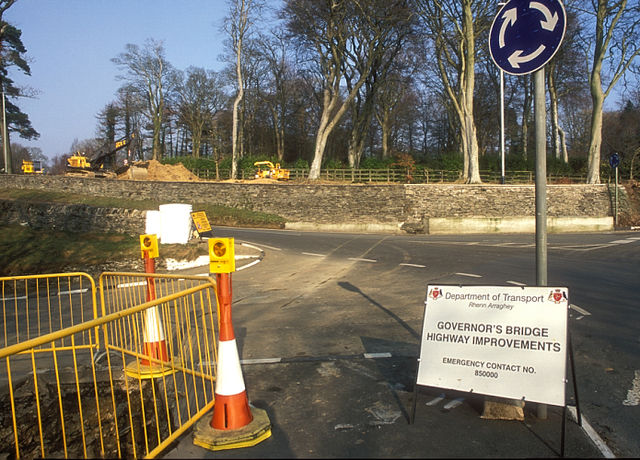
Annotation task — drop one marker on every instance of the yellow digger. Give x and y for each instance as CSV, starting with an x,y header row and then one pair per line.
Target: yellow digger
x,y
80,165
270,171
32,167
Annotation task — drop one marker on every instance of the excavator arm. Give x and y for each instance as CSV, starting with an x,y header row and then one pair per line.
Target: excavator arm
x,y
97,165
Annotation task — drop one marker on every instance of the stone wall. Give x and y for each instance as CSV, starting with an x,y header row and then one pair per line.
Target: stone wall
x,y
72,218
375,207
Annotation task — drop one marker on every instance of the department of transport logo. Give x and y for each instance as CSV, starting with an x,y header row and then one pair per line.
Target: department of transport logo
x,y
435,293
557,296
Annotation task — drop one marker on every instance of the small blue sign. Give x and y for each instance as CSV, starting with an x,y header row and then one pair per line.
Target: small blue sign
x,y
526,34
614,160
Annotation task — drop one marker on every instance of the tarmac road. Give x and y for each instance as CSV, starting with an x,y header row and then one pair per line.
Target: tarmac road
x,y
329,329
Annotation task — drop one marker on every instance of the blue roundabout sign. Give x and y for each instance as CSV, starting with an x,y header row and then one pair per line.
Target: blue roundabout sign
x,y
526,34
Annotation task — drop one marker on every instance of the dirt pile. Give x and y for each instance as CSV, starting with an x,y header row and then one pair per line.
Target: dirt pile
x,y
154,170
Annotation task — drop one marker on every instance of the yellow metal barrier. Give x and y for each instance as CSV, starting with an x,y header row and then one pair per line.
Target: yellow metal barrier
x,y
40,304
66,401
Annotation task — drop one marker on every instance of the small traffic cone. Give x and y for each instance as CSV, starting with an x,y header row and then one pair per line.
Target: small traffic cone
x,y
155,344
235,423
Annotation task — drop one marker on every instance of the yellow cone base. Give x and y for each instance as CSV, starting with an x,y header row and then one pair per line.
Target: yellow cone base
x,y
138,370
254,433
503,409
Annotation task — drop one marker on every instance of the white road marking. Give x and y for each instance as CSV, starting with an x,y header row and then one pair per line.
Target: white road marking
x,y
59,293
583,248
377,355
314,254
516,283
76,291
126,285
435,401
414,265
248,265
633,395
250,246
271,247
453,404
627,241
597,440
470,275
260,361
359,259
579,310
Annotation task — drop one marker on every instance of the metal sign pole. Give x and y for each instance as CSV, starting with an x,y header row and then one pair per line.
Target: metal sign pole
x,y
616,196
541,191
502,178
525,36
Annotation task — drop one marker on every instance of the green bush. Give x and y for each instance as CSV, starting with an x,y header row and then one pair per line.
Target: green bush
x,y
301,164
451,162
333,164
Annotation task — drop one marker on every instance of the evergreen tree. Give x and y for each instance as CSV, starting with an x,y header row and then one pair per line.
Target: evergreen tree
x,y
12,52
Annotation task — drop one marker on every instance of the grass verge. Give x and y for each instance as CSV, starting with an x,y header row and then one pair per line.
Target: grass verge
x,y
24,250
217,214
27,251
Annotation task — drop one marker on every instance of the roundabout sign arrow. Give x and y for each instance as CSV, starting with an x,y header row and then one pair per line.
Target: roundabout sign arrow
x,y
526,34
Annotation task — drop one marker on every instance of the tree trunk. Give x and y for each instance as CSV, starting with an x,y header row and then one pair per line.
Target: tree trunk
x,y
593,168
235,148
321,143
470,142
563,145
555,126
321,138
472,169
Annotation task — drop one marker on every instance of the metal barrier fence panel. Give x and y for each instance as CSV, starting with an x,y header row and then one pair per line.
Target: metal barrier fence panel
x,y
117,402
41,304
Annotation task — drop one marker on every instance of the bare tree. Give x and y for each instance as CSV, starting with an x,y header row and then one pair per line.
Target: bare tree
x,y
377,17
200,98
345,41
150,74
239,25
277,72
613,48
454,26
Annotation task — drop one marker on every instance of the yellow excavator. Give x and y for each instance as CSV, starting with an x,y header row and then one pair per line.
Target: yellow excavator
x,y
270,171
79,165
32,167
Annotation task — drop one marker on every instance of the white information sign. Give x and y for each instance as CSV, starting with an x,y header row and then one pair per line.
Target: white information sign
x,y
503,341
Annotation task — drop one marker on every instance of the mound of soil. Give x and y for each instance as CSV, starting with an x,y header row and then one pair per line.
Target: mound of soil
x,y
160,172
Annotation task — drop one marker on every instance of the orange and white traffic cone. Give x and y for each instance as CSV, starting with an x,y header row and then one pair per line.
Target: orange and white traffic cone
x,y
155,344
234,423
231,410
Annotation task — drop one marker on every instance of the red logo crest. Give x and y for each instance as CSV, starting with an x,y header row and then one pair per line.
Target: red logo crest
x,y
435,293
557,296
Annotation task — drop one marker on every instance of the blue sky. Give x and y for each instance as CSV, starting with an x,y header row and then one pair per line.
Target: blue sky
x,y
70,44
